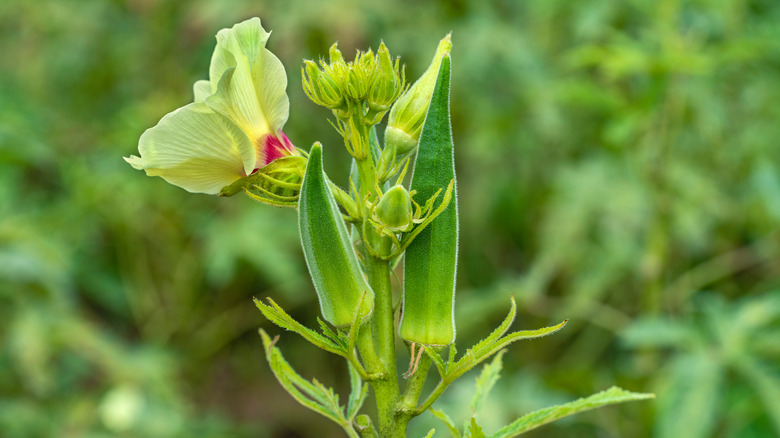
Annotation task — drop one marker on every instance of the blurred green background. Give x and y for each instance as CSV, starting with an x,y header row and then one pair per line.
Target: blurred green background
x,y
618,165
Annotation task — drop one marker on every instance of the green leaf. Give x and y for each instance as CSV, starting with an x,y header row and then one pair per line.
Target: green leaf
x,y
430,433
475,430
486,380
766,383
431,258
333,265
496,334
658,333
436,357
447,421
330,333
312,395
494,343
547,415
689,403
274,313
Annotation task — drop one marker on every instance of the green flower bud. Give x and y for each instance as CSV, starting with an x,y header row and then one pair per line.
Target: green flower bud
x,y
387,83
395,209
323,87
335,55
401,143
408,112
361,72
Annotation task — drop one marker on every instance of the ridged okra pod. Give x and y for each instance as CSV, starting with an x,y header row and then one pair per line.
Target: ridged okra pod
x,y
329,254
431,258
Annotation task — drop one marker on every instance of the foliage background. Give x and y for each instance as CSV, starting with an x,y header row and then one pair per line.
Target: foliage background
x,y
618,162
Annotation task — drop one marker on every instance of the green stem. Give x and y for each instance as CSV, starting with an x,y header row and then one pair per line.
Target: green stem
x,y
351,433
408,407
381,345
437,392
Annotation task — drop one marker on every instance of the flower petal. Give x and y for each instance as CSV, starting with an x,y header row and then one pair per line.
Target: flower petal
x,y
196,149
201,90
252,83
244,38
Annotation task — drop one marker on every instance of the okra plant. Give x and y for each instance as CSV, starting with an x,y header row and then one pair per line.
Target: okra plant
x,y
355,234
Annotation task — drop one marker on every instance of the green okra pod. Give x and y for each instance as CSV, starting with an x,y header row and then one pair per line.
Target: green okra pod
x,y
431,259
329,254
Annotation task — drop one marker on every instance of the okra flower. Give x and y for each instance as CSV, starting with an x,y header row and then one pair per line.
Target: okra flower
x,y
233,128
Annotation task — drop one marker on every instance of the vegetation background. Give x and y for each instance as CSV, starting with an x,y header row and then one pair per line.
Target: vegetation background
x,y
618,165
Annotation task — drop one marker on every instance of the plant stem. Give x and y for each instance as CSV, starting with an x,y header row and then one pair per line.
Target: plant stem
x,y
408,406
377,345
383,345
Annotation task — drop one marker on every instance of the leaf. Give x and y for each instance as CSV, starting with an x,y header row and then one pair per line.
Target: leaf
x,y
431,258
494,343
274,313
658,333
330,257
475,430
312,395
498,332
689,404
327,331
486,380
766,383
430,433
436,357
447,421
547,415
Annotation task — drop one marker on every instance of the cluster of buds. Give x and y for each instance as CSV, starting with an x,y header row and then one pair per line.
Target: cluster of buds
x,y
359,92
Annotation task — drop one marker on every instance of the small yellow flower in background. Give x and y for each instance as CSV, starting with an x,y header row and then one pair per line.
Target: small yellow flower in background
x,y
233,128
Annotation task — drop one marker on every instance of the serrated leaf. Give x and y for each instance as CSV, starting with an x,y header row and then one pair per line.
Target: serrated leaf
x,y
447,421
547,415
274,313
436,358
330,333
486,380
483,350
312,395
494,336
475,430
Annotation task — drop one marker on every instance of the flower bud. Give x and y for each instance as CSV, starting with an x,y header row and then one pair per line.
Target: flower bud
x,y
395,209
323,87
361,71
408,112
387,83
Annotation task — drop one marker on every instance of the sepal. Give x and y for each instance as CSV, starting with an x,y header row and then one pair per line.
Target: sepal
x,y
277,184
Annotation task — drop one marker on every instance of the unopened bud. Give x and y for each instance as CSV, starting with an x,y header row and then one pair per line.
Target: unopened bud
x,y
408,112
387,83
322,87
395,209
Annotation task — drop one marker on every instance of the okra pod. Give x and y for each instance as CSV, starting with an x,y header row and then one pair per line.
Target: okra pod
x,y
430,261
329,254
